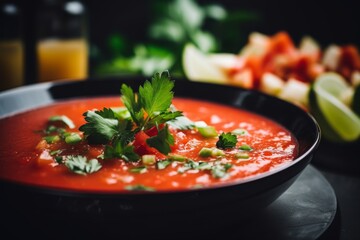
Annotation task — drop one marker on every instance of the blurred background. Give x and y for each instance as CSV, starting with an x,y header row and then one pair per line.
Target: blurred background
x,y
47,40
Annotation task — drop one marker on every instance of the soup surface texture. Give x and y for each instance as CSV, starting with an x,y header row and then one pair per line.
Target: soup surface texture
x,y
29,156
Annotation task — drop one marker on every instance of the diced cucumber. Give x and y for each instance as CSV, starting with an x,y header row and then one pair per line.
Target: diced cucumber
x,y
148,159
208,131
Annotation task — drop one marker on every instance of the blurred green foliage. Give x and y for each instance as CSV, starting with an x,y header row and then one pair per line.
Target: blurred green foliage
x,y
175,23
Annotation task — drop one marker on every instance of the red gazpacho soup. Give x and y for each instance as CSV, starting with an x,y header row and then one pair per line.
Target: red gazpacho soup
x,y
149,141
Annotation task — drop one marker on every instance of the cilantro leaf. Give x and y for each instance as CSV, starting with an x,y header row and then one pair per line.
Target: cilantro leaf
x,y
120,150
220,170
162,117
162,141
156,96
182,123
226,140
80,164
134,107
101,126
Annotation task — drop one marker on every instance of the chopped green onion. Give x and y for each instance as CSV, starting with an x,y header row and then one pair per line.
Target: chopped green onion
x,y
176,157
51,139
55,152
163,164
141,169
62,118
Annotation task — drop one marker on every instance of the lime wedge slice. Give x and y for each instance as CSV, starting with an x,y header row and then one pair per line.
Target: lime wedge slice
x,y
337,120
198,67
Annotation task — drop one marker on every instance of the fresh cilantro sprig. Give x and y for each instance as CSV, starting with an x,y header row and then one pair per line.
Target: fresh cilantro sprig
x,y
101,126
81,165
151,107
226,140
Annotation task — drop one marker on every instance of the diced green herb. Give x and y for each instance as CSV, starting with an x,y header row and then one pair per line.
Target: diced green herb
x,y
80,164
176,157
240,131
52,139
163,164
204,166
226,140
140,169
64,119
55,152
51,129
220,170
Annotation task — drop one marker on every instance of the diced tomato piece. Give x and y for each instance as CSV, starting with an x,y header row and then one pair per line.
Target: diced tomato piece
x,y
282,43
154,130
349,61
142,148
244,79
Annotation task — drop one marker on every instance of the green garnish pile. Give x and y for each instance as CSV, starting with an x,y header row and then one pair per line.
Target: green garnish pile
x,y
150,109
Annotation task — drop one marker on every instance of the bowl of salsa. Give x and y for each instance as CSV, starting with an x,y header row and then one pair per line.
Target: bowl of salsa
x,y
133,151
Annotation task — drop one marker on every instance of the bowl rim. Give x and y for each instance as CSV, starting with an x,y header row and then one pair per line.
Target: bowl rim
x,y
46,86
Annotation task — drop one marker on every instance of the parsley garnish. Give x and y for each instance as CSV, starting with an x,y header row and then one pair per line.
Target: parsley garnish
x,y
226,140
147,109
101,126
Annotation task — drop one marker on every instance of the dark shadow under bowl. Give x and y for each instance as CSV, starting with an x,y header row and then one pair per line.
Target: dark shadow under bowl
x,y
168,211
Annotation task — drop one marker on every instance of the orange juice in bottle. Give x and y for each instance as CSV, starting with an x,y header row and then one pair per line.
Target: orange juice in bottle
x,y
62,46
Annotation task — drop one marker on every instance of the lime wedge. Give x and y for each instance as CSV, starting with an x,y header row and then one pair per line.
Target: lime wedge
x,y
198,67
338,122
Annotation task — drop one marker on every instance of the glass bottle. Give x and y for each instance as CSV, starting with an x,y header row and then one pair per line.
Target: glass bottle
x,y
11,46
62,46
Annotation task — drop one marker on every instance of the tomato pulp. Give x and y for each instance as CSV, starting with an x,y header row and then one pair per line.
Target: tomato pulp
x,y
22,160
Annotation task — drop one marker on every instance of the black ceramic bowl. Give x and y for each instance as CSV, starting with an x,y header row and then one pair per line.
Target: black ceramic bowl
x,y
168,211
